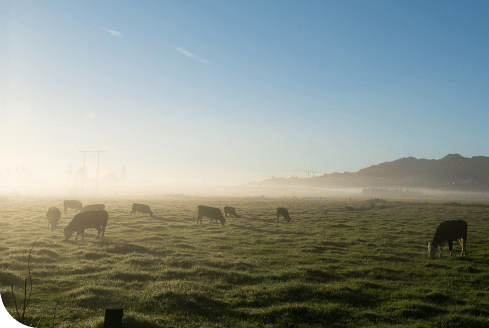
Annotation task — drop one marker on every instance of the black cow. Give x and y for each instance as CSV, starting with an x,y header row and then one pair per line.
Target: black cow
x,y
210,212
86,220
231,211
93,207
53,216
141,208
447,232
75,204
283,212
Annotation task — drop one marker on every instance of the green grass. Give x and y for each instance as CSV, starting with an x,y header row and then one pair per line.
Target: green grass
x,y
337,264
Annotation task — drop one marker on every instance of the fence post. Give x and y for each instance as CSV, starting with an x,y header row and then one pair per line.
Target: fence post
x,y
113,318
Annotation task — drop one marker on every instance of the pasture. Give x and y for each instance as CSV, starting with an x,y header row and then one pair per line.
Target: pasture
x,y
337,264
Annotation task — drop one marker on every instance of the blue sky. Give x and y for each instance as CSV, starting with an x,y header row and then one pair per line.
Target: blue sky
x,y
228,92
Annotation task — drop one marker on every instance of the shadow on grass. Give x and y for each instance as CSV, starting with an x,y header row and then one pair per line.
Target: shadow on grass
x,y
276,232
390,259
294,293
416,312
130,277
135,322
442,299
128,248
186,246
93,297
8,278
456,321
334,244
189,303
293,315
48,252
374,318
212,275
94,256
321,276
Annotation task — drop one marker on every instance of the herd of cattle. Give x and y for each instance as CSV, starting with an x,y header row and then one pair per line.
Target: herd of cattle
x,y
95,217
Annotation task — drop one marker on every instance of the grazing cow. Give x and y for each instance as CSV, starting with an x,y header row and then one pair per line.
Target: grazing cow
x,y
283,212
93,207
210,212
228,210
53,216
141,208
87,220
75,204
447,232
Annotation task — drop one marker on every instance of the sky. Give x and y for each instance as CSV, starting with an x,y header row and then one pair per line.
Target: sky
x,y
229,92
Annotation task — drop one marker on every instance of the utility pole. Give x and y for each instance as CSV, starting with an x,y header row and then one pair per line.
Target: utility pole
x,y
98,164
84,171
310,172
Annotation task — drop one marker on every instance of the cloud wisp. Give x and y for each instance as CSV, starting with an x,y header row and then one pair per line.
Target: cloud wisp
x,y
114,33
190,55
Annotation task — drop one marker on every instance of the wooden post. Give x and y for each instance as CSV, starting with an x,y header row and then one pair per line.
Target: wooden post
x,y
113,318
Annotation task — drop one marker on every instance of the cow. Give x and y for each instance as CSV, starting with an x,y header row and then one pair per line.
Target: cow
x,y
75,204
447,232
53,216
210,212
141,208
283,212
87,220
93,207
231,211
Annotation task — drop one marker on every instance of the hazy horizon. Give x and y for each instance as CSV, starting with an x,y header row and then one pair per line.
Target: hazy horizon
x,y
216,94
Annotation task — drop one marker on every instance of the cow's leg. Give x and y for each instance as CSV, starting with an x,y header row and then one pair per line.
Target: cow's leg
x,y
462,243
441,249
450,247
76,238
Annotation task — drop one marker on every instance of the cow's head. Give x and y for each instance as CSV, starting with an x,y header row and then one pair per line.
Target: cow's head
x,y
432,248
150,213
223,220
67,233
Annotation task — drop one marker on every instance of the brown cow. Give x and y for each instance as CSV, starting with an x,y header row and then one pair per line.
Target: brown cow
x,y
93,207
75,204
283,212
141,208
447,232
210,212
86,220
231,211
53,215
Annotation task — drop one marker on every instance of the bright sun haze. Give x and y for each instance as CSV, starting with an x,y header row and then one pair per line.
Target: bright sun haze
x,y
223,93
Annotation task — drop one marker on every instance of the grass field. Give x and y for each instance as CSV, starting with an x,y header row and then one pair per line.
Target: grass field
x,y
336,264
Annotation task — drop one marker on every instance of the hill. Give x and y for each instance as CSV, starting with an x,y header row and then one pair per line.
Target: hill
x,y
452,172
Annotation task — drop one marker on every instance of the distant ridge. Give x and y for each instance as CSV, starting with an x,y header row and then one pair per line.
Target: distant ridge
x,y
452,172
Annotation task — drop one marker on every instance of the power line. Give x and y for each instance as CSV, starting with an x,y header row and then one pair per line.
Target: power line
x,y
98,164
